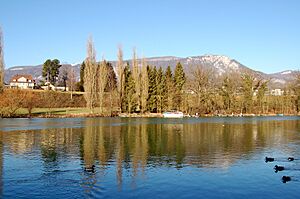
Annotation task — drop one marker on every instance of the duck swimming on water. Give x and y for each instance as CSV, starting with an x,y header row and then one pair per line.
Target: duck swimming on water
x,y
286,179
90,168
278,168
291,159
268,159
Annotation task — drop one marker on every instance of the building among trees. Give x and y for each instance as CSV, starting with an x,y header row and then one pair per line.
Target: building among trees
x,y
22,82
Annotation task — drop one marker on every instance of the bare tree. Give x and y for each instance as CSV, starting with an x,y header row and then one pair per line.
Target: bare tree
x,y
201,85
11,101
144,86
102,81
90,74
71,80
121,79
136,78
1,62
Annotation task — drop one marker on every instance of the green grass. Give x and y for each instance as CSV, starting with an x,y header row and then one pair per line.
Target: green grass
x,y
60,111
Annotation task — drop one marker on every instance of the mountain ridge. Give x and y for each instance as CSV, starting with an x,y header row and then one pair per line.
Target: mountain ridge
x,y
220,64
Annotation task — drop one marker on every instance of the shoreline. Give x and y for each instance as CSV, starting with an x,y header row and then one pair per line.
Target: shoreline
x,y
137,115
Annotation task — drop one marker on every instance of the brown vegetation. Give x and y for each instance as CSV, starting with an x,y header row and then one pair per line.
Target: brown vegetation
x,y
11,100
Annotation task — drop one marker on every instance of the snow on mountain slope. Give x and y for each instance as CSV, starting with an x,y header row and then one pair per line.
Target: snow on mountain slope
x,y
219,64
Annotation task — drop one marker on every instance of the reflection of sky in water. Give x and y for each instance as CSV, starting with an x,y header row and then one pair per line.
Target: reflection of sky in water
x,y
40,123
134,158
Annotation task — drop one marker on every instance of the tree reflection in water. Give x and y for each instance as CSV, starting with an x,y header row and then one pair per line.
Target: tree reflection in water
x,y
132,148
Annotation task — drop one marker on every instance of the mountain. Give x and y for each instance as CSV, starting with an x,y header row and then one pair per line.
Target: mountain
x,y
282,78
217,63
35,71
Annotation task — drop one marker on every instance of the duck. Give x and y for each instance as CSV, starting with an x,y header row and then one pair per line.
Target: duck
x,y
278,168
268,159
291,159
90,168
286,179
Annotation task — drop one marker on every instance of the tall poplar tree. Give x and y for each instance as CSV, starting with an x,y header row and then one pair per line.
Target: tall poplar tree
x,y
137,81
102,76
90,76
1,62
121,77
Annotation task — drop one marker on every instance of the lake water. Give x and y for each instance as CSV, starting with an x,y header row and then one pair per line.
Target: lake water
x,y
149,158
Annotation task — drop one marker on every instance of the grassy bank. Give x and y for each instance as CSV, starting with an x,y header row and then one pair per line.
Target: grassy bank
x,y
63,112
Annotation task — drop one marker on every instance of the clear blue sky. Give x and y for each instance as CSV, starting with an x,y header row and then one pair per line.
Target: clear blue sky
x,y
262,34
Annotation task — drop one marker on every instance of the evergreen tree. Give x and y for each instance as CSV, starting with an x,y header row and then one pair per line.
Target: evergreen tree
x,y
111,79
160,80
128,102
144,86
152,99
287,101
169,90
179,80
46,73
111,85
81,81
51,70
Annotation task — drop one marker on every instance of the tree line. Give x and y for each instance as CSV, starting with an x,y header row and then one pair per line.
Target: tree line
x,y
136,87
141,88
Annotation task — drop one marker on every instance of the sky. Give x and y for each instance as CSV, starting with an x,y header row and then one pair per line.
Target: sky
x,y
261,34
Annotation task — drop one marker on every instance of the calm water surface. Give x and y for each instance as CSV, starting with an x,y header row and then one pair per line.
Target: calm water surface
x,y
149,158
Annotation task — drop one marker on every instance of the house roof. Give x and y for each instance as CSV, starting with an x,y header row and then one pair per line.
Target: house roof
x,y
16,77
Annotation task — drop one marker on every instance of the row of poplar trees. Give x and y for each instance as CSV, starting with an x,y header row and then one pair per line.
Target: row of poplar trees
x,y
136,87
139,87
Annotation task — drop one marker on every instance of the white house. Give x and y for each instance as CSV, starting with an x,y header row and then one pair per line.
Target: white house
x,y
22,81
49,86
277,92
